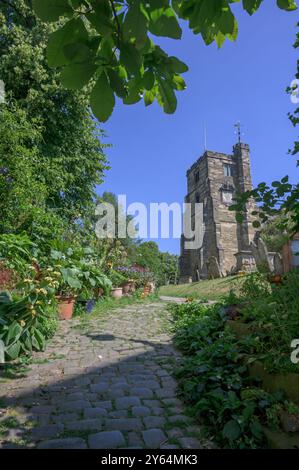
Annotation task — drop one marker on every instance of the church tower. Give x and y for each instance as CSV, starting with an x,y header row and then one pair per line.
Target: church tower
x,y
213,180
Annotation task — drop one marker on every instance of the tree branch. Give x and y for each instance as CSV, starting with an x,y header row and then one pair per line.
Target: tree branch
x,y
117,22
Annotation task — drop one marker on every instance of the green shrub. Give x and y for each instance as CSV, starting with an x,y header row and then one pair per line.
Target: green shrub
x,y
49,322
21,323
274,311
214,381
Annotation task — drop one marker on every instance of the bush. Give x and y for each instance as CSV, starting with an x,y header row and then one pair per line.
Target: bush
x,y
49,322
24,321
275,314
213,378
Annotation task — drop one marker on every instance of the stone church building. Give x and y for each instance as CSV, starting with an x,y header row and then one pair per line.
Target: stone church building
x,y
213,180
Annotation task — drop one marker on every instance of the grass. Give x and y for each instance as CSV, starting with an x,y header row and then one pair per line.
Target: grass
x,y
15,370
212,289
6,425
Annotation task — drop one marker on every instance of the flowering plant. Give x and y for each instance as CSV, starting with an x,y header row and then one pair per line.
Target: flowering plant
x,y
21,322
140,276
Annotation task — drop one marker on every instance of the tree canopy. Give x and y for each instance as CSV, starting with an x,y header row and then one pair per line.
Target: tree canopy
x,y
109,45
50,153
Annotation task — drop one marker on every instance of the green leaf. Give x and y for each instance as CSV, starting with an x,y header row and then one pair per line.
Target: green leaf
x,y
167,96
149,97
71,32
251,6
130,58
163,22
134,92
102,99
117,83
135,24
106,52
220,38
148,79
14,332
256,429
76,76
101,18
155,4
231,430
51,10
226,22
40,340
179,82
288,5
177,65
204,14
69,276
13,351
5,298
78,53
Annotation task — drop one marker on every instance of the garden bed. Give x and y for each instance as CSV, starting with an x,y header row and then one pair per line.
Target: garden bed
x,y
236,377
271,382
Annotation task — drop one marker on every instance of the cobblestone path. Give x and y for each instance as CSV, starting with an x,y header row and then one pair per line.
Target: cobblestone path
x,y
103,383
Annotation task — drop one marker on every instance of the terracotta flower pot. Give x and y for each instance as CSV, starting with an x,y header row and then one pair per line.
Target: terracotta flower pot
x,y
65,307
116,292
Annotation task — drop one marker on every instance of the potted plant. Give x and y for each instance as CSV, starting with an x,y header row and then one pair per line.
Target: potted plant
x,y
69,286
127,283
93,282
102,282
117,280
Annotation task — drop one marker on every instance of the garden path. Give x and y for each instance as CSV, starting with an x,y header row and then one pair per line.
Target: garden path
x,y
104,382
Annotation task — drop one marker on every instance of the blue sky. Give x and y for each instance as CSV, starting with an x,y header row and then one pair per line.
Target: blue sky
x,y
245,81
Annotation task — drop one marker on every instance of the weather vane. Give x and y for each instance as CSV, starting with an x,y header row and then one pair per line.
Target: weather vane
x,y
238,127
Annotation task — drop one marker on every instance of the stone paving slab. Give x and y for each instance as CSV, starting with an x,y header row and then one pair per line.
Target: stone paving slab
x,y
103,383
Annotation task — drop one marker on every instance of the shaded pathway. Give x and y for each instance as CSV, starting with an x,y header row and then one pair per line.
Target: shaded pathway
x,y
104,382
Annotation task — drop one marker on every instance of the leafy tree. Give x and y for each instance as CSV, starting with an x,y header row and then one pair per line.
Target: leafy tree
x,y
272,234
164,266
22,185
109,44
124,245
169,266
67,155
